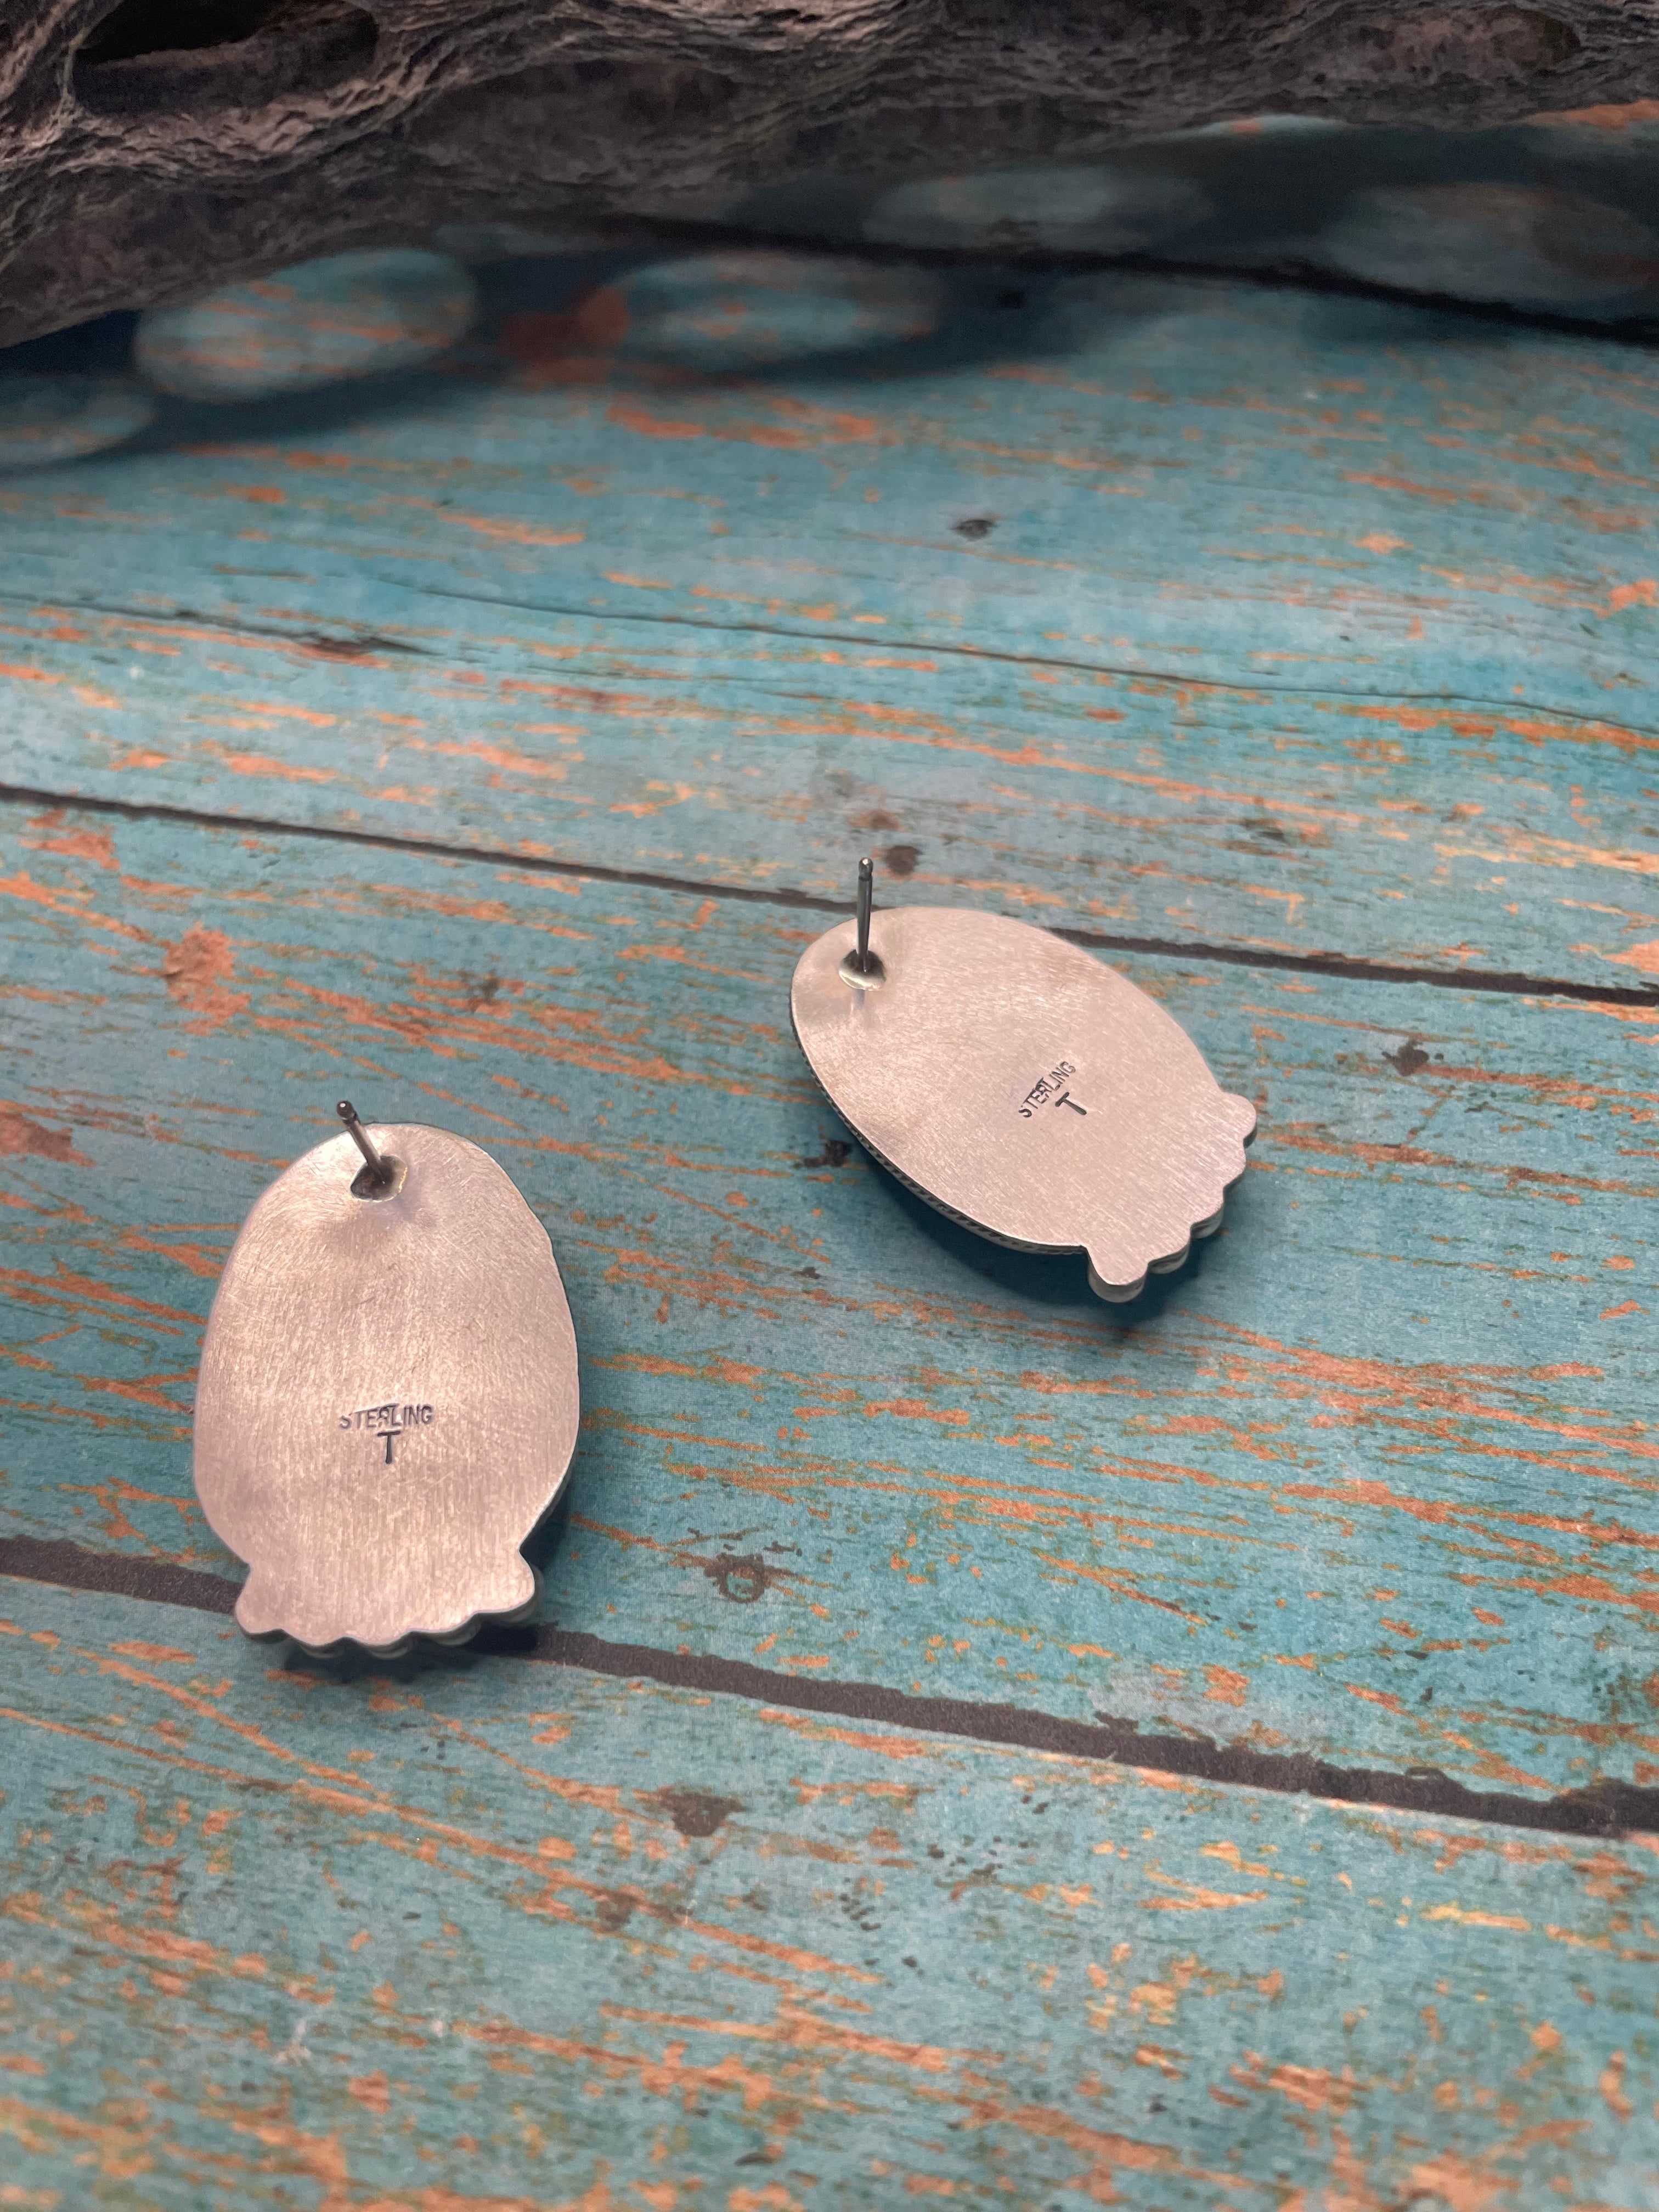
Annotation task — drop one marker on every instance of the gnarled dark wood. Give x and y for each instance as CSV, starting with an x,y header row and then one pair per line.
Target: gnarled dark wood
x,y
149,149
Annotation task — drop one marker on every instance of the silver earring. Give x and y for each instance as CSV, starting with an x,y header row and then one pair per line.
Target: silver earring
x,y
1020,1087
388,1397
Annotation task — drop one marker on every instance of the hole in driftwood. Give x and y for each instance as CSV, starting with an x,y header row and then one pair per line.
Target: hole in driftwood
x,y
159,27
187,54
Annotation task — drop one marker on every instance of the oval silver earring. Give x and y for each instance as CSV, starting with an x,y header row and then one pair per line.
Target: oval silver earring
x,y
388,1397
1020,1085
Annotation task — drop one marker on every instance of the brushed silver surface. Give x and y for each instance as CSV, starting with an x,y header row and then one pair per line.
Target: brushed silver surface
x,y
1024,1088
388,1396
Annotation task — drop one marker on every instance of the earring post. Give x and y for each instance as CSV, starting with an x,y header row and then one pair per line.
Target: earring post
x,y
375,1162
866,906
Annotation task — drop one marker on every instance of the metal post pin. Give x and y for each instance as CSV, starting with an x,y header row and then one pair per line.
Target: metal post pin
x,y
378,1174
861,968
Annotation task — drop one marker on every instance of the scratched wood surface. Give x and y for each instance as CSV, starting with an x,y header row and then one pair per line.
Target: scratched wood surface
x,y
1157,608
1372,1478
487,1937
1161,611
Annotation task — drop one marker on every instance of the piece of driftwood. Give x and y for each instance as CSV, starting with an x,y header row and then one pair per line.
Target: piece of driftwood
x,y
149,149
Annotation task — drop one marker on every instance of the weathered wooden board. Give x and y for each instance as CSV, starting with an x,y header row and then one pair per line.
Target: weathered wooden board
x,y
1157,608
1372,1478
1458,839
485,1936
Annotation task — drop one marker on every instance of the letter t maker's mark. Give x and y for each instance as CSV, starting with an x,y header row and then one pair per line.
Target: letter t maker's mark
x,y
388,1423
1046,1091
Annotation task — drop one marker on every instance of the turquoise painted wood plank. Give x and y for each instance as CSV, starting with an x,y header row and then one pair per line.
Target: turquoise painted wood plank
x,y
497,1937
1458,839
1410,551
1372,1478
824,497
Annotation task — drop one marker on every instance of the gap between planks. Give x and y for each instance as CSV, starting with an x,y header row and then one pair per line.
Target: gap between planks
x,y
1499,983
1608,1809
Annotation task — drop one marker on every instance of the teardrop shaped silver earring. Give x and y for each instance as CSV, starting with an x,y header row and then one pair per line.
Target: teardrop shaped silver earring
x,y
1020,1085
388,1397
